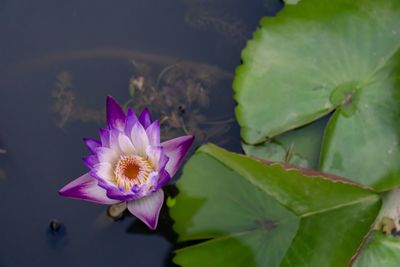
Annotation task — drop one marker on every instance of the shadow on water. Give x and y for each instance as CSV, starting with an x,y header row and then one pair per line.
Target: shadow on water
x,y
165,228
100,47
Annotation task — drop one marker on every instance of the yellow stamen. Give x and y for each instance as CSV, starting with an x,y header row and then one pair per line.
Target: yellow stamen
x,y
132,170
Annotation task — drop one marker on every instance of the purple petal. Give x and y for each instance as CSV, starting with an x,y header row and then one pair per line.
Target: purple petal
x,y
86,188
153,133
90,160
163,179
163,161
120,195
147,209
115,115
92,144
145,118
105,137
131,120
176,150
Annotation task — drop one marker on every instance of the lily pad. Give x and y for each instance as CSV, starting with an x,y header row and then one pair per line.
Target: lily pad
x,y
276,151
291,2
300,146
320,56
244,212
381,250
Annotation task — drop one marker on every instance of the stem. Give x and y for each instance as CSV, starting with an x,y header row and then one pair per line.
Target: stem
x,y
127,103
164,119
388,218
184,126
165,70
115,211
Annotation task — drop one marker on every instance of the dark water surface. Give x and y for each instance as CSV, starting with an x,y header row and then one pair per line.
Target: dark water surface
x,y
99,46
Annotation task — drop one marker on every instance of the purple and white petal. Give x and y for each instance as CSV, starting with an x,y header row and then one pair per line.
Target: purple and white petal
x,y
131,120
115,115
148,187
154,155
114,140
163,161
153,133
139,139
163,179
86,188
113,191
105,137
105,154
145,118
104,171
120,194
147,209
90,160
157,157
126,145
176,149
92,144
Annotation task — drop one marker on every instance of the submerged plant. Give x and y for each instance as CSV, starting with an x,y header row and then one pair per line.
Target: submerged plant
x,y
66,106
209,16
129,164
179,93
181,96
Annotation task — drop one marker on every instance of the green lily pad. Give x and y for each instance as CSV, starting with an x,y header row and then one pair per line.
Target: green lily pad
x,y
381,250
365,146
275,151
245,212
320,56
291,2
300,147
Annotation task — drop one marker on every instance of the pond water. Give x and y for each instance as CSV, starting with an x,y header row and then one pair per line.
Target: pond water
x,y
59,61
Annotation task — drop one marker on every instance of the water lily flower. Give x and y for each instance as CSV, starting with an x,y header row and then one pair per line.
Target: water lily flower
x,y
129,164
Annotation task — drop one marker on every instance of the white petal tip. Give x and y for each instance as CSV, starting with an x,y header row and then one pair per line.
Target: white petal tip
x,y
148,209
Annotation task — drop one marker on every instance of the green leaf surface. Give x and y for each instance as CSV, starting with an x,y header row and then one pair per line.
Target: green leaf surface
x,y
300,147
365,146
291,2
254,214
320,56
381,250
275,151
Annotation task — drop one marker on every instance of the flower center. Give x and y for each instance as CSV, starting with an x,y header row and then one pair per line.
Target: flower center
x,y
131,171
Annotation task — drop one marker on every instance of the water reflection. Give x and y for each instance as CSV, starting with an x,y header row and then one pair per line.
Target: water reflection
x,y
67,107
